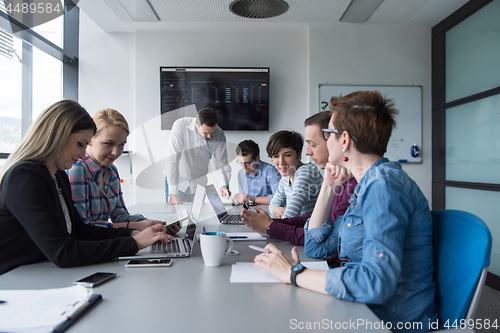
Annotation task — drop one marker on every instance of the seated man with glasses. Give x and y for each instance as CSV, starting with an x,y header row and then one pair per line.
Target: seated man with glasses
x,y
257,180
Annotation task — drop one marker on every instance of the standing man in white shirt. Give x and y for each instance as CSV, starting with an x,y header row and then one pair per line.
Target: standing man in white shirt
x,y
193,142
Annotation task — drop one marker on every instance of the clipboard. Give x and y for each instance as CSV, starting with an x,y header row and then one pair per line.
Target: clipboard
x,y
44,310
77,313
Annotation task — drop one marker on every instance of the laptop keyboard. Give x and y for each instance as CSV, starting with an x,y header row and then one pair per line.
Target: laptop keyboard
x,y
232,219
172,247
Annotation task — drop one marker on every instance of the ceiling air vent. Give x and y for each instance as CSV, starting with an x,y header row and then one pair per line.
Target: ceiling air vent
x,y
258,9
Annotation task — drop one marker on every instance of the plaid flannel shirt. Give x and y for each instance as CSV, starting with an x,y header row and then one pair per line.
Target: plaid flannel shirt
x,y
98,207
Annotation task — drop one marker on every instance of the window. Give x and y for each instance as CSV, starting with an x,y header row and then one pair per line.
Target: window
x,y
38,67
466,117
10,86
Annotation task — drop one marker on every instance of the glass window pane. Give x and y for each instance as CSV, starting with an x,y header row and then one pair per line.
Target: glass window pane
x,y
10,102
473,141
472,49
47,81
52,30
483,204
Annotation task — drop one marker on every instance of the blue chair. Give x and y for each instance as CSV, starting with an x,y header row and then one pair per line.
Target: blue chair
x,y
462,248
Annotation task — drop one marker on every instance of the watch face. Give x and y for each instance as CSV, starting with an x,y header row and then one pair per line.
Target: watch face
x,y
297,267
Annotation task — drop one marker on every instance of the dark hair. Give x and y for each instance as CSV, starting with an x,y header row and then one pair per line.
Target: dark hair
x,y
207,116
321,119
248,147
369,117
333,101
284,139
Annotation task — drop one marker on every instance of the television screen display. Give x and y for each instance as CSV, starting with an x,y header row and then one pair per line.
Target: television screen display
x,y
239,95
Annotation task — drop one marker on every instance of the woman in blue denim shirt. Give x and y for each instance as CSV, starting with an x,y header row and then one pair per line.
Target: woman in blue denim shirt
x,y
384,239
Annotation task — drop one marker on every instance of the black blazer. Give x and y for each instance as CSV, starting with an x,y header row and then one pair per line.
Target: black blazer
x,y
33,227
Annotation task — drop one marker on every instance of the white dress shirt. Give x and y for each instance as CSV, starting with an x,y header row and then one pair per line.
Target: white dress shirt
x,y
188,157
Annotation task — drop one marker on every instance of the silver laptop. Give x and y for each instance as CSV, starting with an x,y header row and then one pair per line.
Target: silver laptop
x,y
221,212
180,247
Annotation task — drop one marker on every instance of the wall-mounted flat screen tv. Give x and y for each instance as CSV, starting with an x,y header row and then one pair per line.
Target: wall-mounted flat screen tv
x,y
239,95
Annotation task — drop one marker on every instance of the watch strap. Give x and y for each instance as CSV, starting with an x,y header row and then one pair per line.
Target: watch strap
x,y
294,274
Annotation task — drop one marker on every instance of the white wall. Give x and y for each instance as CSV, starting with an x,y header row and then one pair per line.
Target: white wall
x,y
107,78
121,70
350,54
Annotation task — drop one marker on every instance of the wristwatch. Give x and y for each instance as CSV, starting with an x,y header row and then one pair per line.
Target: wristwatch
x,y
296,270
251,201
268,230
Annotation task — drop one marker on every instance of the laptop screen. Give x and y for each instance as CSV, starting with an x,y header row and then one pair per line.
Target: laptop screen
x,y
190,231
216,202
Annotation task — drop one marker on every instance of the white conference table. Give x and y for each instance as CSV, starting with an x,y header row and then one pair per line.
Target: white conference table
x,y
189,297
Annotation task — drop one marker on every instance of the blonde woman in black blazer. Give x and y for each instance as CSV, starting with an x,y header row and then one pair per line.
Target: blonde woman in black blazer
x,y
37,216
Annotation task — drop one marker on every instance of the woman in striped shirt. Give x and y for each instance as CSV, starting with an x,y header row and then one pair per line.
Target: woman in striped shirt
x,y
300,182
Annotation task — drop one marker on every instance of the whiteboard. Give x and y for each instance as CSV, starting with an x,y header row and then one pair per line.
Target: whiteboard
x,y
408,131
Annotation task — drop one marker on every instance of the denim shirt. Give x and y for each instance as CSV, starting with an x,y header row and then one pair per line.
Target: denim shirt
x,y
385,237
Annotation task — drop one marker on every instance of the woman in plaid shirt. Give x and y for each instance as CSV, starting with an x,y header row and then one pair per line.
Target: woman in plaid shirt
x,y
95,183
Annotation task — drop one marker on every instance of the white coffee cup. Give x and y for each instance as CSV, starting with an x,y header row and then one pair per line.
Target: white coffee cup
x,y
213,247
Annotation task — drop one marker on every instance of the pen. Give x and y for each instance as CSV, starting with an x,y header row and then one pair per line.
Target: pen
x,y
2,302
256,248
238,237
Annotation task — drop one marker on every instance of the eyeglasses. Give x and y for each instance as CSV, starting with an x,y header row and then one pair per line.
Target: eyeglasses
x,y
246,164
328,131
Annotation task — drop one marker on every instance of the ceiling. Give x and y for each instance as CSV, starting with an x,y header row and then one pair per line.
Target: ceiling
x,y
206,14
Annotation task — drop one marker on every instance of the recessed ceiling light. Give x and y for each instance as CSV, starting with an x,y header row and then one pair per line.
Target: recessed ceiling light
x,y
359,11
140,10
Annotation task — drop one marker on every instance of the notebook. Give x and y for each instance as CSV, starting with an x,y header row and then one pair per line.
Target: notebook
x,y
180,247
219,209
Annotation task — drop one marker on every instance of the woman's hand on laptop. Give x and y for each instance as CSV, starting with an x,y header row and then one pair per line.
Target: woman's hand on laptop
x,y
151,235
143,224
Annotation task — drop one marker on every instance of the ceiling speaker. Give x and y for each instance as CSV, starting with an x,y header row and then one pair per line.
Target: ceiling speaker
x,y
258,9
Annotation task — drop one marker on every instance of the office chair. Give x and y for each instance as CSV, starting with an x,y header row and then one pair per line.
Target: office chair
x,y
462,248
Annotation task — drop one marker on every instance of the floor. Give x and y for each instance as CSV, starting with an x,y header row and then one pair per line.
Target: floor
x,y
489,308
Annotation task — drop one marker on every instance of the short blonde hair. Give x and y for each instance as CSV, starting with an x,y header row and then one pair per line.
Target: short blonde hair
x,y
109,117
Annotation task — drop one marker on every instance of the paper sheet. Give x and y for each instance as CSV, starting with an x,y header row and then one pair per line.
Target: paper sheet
x,y
38,310
246,272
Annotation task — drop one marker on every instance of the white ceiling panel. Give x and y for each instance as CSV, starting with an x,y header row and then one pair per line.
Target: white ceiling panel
x,y
202,14
397,11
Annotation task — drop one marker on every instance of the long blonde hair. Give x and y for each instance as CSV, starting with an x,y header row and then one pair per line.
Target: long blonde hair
x,y
109,117
49,133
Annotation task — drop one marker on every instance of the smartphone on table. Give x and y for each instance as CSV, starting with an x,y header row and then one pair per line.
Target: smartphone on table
x,y
95,279
149,263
